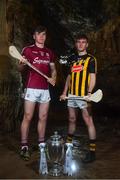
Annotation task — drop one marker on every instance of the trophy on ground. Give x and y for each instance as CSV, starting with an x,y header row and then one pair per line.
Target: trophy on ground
x,y
43,168
55,148
68,159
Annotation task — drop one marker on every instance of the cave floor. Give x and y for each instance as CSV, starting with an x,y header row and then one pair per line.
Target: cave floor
x,y
106,166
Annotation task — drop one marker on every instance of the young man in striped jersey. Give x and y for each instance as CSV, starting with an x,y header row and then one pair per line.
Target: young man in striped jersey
x,y
81,81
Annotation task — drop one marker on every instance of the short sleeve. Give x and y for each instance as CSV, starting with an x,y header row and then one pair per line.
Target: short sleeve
x,y
26,52
92,65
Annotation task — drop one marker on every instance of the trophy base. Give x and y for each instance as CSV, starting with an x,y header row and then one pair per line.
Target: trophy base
x,y
56,170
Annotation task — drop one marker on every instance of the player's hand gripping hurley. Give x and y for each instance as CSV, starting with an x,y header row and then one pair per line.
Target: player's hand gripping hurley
x,y
15,53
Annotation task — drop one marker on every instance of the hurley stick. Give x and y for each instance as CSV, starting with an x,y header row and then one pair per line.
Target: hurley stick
x,y
15,53
95,97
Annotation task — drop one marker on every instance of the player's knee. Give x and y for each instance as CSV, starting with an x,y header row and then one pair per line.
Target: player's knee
x,y
43,117
27,117
72,119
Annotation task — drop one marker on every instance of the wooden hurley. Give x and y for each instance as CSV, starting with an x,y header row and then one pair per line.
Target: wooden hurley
x,y
15,53
95,97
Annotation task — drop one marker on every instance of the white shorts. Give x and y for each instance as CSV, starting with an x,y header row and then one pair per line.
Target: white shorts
x,y
76,103
37,95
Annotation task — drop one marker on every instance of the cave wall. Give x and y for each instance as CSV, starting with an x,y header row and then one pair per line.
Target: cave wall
x,y
10,84
99,19
63,23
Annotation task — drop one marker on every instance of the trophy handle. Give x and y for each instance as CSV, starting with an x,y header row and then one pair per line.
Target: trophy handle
x,y
47,153
63,152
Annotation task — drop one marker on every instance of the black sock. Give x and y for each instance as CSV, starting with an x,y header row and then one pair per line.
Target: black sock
x,y
69,138
92,145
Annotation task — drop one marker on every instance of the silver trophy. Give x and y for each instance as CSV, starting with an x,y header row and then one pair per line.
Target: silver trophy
x,y
43,168
55,147
68,159
73,157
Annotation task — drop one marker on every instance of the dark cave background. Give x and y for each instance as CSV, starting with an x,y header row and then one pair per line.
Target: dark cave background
x,y
99,19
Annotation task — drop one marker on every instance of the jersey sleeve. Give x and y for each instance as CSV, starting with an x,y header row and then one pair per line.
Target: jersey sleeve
x,y
26,52
93,65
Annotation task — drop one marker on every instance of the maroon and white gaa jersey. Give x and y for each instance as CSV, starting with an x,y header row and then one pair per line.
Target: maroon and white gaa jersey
x,y
41,59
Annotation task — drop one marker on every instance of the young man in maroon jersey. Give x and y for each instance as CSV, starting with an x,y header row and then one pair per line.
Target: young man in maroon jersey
x,y
37,87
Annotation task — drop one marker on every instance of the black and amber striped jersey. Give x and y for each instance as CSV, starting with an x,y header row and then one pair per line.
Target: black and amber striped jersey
x,y
80,70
